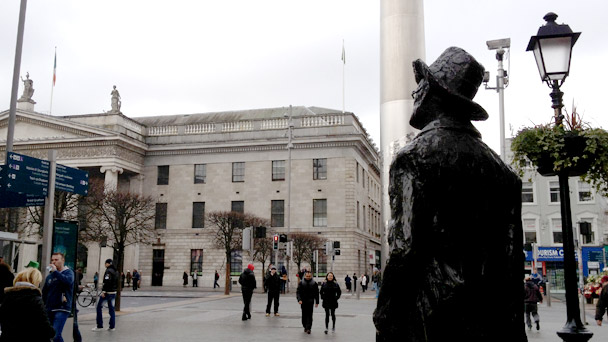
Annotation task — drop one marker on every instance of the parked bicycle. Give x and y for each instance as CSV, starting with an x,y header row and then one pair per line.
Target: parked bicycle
x,y
89,295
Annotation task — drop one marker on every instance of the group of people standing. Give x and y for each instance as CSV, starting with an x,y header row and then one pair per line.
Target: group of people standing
x,y
376,279
307,295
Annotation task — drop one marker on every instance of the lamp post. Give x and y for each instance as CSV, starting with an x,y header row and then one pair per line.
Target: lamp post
x,y
552,47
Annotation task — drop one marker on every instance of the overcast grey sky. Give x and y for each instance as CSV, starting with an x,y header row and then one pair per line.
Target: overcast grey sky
x,y
179,57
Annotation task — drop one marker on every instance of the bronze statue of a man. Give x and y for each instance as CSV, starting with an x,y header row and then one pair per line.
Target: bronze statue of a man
x,y
456,262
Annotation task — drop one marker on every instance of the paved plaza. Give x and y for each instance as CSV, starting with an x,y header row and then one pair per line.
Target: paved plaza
x,y
177,314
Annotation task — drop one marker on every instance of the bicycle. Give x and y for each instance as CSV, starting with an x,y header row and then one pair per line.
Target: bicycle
x,y
89,295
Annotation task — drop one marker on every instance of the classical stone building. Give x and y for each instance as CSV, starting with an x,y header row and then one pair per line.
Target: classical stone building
x,y
197,163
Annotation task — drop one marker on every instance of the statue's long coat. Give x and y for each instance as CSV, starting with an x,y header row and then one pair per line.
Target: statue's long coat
x,y
456,265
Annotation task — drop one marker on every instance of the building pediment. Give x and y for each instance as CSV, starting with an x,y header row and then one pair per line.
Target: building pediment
x,y
36,127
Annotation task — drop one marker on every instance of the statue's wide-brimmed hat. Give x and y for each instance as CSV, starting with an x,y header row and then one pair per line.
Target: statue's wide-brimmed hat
x,y
458,74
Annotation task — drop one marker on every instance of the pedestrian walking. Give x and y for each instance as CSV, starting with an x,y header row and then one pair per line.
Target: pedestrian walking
x,y
195,279
284,279
347,281
216,277
129,278
364,282
185,277
532,297
23,316
307,295
273,285
136,279
6,278
602,303
377,281
58,293
330,293
96,279
108,293
355,282
248,284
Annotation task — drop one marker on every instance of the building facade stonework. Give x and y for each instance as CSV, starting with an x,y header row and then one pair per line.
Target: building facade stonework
x,y
194,164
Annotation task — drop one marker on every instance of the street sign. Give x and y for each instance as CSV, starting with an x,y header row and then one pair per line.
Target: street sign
x,y
30,175
72,180
26,174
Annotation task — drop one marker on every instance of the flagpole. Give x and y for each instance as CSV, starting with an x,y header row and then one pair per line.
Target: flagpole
x,y
343,72
53,86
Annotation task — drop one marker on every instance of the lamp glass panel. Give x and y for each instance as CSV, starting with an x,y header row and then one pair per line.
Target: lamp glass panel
x,y
539,61
556,56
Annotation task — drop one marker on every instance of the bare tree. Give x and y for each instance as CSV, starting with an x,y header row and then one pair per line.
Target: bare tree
x,y
263,250
228,234
124,218
304,244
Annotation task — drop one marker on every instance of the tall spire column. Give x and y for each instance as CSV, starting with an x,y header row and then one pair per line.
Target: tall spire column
x,y
401,42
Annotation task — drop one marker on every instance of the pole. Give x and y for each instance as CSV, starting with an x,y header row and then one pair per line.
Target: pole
x,y
573,330
581,281
49,208
10,135
53,86
500,85
289,147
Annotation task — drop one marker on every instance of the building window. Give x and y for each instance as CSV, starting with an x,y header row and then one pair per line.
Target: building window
x,y
236,263
319,213
556,229
587,239
358,214
584,192
238,206
200,173
357,172
160,220
196,261
319,168
529,231
198,215
527,192
238,172
554,192
278,170
163,175
277,213
9,221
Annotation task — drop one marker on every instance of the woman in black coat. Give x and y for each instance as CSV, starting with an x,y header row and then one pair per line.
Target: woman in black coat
x,y
330,293
22,315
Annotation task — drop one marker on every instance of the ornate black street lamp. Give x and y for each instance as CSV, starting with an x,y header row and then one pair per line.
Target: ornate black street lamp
x,y
552,48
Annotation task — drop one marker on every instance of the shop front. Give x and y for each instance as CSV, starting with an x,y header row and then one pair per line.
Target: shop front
x,y
550,263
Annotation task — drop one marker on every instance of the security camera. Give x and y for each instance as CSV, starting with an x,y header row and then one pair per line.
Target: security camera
x,y
486,77
496,44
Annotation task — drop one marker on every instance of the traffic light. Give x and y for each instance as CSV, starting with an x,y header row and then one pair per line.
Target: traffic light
x,y
336,244
260,232
283,238
275,242
327,248
246,239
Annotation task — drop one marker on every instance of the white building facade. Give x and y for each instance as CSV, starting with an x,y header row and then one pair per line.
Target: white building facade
x,y
193,164
542,225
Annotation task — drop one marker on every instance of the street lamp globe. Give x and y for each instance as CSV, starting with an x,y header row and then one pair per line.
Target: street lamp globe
x,y
552,47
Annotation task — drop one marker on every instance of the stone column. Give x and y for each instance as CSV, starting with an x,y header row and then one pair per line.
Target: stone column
x,y
111,176
401,42
136,186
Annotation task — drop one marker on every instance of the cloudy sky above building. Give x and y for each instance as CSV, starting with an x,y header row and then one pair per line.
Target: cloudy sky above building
x,y
180,57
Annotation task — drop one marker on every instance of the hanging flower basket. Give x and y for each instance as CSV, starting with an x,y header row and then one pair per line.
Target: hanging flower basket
x,y
576,150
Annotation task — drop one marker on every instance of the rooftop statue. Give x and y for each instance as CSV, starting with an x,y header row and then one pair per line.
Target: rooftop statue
x,y
28,89
116,102
455,233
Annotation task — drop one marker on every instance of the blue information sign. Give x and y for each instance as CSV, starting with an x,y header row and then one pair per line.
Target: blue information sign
x,y
26,174
13,199
30,175
71,180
